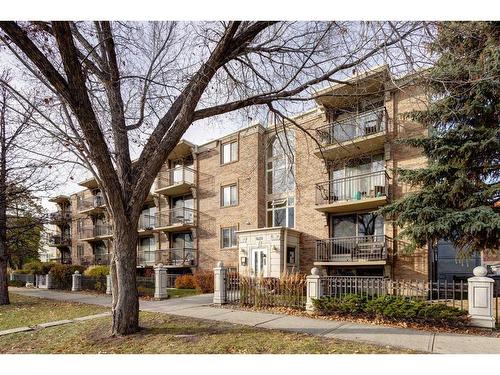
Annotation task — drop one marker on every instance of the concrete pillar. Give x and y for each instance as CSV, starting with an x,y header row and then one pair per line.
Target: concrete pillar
x,y
76,282
49,281
313,282
160,282
481,299
11,276
108,284
219,284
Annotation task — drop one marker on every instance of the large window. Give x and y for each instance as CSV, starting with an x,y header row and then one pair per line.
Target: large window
x,y
228,237
280,163
147,244
358,225
281,213
229,152
229,195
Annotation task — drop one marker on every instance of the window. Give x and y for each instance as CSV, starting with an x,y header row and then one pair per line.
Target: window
x,y
229,195
280,163
147,244
228,237
281,213
358,225
79,251
290,255
229,152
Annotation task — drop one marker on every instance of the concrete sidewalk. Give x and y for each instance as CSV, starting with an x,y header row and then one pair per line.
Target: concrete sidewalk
x,y
199,307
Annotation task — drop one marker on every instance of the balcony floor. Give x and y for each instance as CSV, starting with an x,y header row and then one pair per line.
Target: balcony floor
x,y
97,238
93,210
353,263
366,144
174,228
352,205
176,189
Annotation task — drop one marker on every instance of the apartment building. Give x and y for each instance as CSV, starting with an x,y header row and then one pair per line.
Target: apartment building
x,y
59,234
282,198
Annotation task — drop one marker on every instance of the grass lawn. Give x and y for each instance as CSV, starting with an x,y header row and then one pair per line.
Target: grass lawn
x,y
176,293
161,333
29,311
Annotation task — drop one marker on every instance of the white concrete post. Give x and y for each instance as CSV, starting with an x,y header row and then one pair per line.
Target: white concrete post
x,y
108,284
76,282
11,276
49,281
313,282
481,299
160,282
219,284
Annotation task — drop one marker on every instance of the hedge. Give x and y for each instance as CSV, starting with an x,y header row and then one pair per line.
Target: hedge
x,y
391,307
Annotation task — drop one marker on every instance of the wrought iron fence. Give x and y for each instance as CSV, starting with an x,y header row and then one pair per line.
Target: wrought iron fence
x,y
145,285
454,294
23,277
286,291
353,188
364,124
96,283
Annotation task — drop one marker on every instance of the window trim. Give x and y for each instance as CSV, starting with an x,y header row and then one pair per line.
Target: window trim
x,y
221,151
221,195
231,239
286,208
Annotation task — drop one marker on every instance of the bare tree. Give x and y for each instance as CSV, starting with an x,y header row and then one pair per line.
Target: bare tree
x,y
107,91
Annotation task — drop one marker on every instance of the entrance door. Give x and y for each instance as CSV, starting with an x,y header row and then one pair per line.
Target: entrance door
x,y
258,262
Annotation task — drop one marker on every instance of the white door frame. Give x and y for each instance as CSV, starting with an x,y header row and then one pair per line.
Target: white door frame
x,y
259,256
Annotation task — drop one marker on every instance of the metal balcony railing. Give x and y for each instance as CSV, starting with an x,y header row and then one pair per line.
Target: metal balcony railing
x,y
175,176
59,240
98,230
180,257
89,203
362,186
353,249
59,216
348,129
147,222
175,216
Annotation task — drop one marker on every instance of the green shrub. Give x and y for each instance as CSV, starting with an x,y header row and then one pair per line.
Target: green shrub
x,y
62,273
100,286
185,282
392,307
37,268
16,283
96,271
204,281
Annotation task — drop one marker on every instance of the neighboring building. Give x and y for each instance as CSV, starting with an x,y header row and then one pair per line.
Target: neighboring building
x,y
269,201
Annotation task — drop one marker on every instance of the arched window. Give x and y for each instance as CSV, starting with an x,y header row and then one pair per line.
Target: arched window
x,y
280,163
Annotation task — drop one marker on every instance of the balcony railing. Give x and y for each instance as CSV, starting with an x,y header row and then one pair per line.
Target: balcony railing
x,y
176,216
353,249
96,259
147,222
59,240
348,129
356,188
59,216
89,203
175,176
178,257
98,230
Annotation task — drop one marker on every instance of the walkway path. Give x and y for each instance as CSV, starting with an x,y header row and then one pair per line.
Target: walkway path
x,y
199,307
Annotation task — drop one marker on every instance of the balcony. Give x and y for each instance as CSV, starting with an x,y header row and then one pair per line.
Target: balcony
x,y
91,204
176,219
175,181
354,193
96,259
362,133
146,223
59,217
58,240
345,251
96,232
176,257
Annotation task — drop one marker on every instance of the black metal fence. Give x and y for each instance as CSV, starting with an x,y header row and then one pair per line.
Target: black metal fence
x,y
286,291
454,294
146,286
95,283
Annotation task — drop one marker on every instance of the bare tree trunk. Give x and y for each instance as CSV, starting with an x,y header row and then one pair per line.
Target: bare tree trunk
x,y
123,272
4,292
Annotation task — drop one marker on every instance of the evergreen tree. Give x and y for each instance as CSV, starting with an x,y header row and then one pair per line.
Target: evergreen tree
x,y
458,192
